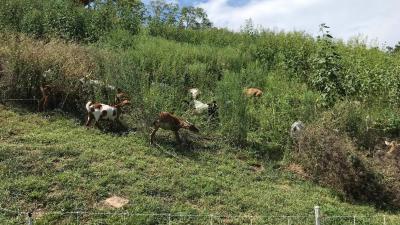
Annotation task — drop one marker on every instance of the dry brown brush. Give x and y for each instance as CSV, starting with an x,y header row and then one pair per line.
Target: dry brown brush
x,y
29,63
331,159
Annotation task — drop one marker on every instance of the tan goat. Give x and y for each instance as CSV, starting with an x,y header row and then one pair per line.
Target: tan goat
x,y
167,121
394,148
253,92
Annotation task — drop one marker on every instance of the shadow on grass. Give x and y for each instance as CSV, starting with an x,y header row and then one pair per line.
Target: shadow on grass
x,y
266,152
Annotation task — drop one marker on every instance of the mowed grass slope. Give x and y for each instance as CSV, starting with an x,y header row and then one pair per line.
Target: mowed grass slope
x,y
53,164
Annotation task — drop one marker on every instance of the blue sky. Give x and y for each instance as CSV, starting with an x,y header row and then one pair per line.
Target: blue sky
x,y
374,21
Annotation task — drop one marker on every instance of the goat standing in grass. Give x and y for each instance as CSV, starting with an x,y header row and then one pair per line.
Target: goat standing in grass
x,y
167,121
43,103
194,92
200,107
51,98
99,111
296,129
120,96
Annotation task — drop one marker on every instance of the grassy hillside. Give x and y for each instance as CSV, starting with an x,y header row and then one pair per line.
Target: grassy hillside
x,y
53,163
346,93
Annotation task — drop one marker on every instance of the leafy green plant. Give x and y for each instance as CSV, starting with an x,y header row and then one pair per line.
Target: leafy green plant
x,y
327,69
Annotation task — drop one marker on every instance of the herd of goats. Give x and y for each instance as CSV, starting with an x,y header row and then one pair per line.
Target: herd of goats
x,y
168,121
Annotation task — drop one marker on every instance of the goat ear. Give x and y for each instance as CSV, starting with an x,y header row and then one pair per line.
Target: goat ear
x,y
387,143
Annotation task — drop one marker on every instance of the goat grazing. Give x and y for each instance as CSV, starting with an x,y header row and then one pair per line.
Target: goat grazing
x,y
44,100
394,148
200,108
51,98
167,121
99,111
296,128
97,83
253,92
120,96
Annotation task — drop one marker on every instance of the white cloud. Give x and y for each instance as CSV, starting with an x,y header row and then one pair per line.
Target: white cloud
x,y
377,19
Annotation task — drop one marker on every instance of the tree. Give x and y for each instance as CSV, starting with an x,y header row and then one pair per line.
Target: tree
x,y
327,68
130,13
248,27
194,17
163,12
395,49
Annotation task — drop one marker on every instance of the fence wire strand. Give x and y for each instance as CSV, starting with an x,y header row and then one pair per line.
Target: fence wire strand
x,y
181,218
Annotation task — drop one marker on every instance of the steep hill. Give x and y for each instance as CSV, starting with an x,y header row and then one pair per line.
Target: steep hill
x,y
51,163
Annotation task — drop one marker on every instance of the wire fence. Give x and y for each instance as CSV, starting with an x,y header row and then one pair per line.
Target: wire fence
x,y
124,217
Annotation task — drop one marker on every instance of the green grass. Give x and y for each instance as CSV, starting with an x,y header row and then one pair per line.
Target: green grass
x,y
53,163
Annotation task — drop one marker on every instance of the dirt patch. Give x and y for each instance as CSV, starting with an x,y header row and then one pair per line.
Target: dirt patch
x,y
115,202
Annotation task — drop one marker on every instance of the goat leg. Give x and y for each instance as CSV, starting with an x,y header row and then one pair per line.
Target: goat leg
x,y
153,134
45,102
40,108
178,139
89,120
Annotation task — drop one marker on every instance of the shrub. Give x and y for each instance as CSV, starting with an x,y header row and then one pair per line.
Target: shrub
x,y
331,160
327,76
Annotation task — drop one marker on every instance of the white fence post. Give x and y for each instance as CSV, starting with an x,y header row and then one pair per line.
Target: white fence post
x,y
317,215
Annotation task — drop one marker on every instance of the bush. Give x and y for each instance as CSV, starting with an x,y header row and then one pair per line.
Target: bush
x,y
331,160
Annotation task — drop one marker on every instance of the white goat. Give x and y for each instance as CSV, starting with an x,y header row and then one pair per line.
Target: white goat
x,y
296,129
194,92
199,107
96,83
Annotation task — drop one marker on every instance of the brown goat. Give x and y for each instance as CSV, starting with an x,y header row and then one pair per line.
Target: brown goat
x,y
120,96
167,121
394,148
44,100
253,92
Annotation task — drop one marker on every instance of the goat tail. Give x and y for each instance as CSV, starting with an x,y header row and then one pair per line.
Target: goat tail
x,y
88,108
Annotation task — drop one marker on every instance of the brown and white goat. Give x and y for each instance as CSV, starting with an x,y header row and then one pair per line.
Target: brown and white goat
x,y
167,121
253,92
99,111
